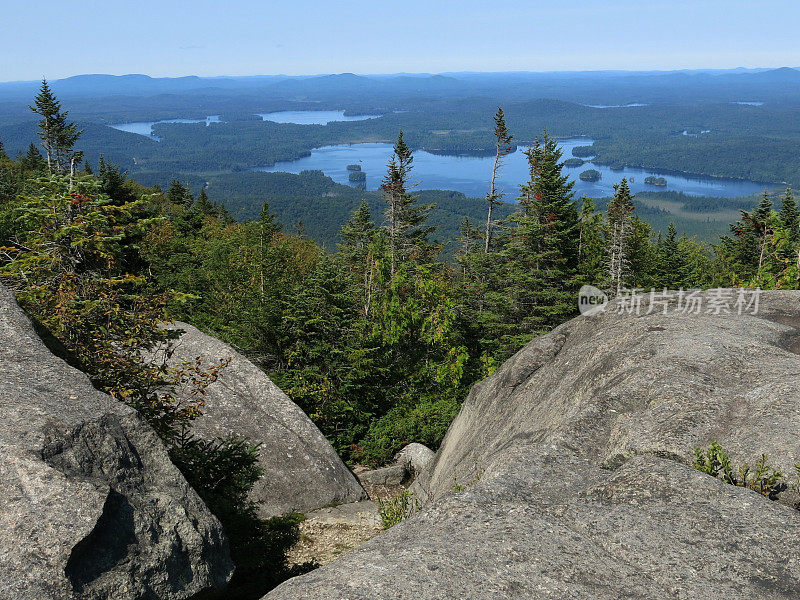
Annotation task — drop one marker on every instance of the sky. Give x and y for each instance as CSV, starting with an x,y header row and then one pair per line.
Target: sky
x,y
54,38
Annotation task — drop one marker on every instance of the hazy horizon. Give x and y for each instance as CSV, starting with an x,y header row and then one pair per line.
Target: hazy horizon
x,y
405,73
174,38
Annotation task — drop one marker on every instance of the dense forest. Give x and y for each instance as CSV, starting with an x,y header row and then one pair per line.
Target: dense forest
x,y
378,339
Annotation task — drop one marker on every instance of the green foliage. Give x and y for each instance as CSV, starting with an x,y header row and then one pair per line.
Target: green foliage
x,y
57,134
762,478
397,509
223,472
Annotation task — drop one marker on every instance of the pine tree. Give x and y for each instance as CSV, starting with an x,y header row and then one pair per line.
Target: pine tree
x,y
113,182
591,245
57,134
358,252
179,195
672,266
502,149
406,230
32,160
789,216
619,229
538,265
204,205
759,223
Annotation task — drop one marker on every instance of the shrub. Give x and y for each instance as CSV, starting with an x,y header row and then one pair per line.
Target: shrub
x,y
397,509
763,479
223,472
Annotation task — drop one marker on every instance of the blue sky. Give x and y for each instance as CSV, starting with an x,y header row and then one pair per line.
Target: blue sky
x,y
55,38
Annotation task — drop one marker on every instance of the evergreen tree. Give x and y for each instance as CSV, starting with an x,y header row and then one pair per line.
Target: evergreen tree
x,y
672,264
538,266
179,195
204,205
57,134
358,251
591,244
406,230
113,182
789,221
502,149
618,232
33,160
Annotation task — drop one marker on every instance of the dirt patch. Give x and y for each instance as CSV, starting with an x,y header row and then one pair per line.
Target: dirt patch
x,y
328,533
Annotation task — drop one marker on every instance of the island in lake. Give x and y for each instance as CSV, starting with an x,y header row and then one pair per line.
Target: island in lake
x,y
653,180
574,162
583,151
353,167
356,176
590,175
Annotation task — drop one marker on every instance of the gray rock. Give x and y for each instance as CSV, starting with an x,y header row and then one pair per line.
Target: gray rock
x,y
574,460
550,526
386,482
391,475
301,469
352,514
610,387
415,457
90,505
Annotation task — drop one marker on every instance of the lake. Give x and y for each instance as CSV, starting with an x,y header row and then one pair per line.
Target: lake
x,y
629,105
145,128
312,117
470,174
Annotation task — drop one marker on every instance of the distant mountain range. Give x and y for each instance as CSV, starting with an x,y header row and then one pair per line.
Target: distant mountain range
x,y
402,83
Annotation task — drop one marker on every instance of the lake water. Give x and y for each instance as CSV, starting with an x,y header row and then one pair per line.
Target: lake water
x,y
145,128
312,117
629,105
470,174
749,103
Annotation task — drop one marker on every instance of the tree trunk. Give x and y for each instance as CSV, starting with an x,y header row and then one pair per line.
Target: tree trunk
x,y
492,197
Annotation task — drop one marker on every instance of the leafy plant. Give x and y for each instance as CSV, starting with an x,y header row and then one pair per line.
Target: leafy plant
x,y
223,472
397,509
763,479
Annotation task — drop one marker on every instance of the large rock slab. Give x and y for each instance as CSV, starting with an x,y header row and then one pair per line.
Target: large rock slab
x,y
90,504
301,469
612,386
558,527
573,461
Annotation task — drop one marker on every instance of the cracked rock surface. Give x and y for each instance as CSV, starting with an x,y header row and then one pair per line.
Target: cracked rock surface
x,y
573,462
90,505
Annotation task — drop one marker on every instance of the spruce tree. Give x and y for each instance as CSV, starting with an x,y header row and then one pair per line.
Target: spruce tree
x,y
33,159
619,229
405,220
204,205
789,216
179,195
591,245
358,252
538,265
502,149
57,134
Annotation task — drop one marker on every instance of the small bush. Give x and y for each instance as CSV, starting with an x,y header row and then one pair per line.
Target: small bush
x,y
397,509
222,472
763,479
425,422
